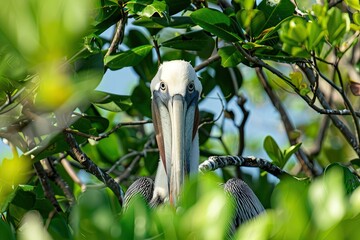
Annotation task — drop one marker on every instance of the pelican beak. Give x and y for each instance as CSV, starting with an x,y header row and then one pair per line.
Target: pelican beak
x,y
175,122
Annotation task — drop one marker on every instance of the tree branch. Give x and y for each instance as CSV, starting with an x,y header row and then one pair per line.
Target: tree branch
x,y
305,162
215,162
207,62
45,184
118,35
107,134
92,168
335,120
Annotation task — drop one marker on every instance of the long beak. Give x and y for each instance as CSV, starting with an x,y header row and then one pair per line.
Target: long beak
x,y
174,126
178,161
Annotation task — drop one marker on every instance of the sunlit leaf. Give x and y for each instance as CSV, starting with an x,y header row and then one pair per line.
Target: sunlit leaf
x,y
230,57
216,23
147,8
273,151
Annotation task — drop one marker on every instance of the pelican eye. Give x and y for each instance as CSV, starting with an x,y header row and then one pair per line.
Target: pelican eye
x,y
191,87
162,86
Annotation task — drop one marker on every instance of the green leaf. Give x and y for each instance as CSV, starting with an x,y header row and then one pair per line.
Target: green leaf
x,y
356,162
354,4
147,8
176,6
108,13
147,68
356,18
273,151
275,13
252,20
351,182
230,57
290,151
338,24
6,231
110,101
315,35
215,22
228,79
195,41
129,58
159,23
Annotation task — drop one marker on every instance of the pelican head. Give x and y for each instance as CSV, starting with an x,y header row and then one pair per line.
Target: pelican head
x,y
175,93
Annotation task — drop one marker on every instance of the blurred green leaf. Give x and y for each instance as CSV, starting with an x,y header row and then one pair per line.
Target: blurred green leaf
x,y
338,24
216,23
128,58
351,182
354,4
6,231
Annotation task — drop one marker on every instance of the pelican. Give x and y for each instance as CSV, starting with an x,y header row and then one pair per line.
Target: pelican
x,y
175,91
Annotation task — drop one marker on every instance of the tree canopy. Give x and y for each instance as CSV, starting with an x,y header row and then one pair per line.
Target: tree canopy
x,y
75,149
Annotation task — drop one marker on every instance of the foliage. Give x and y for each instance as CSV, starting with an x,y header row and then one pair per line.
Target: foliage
x,y
65,134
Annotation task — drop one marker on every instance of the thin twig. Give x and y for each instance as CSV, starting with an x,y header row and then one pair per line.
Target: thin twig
x,y
61,183
306,164
107,134
45,184
241,128
118,35
349,136
324,126
215,162
72,174
157,50
92,168
207,62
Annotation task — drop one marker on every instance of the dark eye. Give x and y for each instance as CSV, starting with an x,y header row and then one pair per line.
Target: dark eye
x,y
191,87
162,86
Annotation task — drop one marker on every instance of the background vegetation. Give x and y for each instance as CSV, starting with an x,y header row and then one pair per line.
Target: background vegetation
x,y
75,149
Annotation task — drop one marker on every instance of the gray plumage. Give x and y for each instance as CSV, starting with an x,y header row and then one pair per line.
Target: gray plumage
x,y
247,205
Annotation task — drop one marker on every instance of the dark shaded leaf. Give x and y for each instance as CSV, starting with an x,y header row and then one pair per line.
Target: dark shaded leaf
x,y
23,202
140,98
128,58
275,13
108,13
176,6
110,101
147,68
196,41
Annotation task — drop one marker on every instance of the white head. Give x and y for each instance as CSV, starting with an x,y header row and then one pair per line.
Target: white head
x,y
175,91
